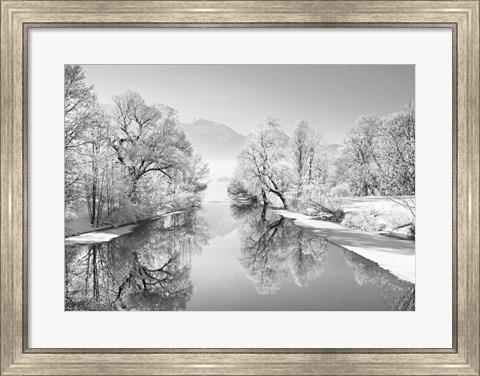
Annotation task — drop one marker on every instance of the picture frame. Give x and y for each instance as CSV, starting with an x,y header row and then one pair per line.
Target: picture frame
x,y
462,17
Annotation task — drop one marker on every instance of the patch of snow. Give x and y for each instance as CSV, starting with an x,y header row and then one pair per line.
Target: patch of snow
x,y
105,235
379,204
169,213
81,225
91,238
395,255
101,236
289,214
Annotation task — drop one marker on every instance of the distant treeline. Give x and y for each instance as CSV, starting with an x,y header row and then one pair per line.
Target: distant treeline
x,y
125,164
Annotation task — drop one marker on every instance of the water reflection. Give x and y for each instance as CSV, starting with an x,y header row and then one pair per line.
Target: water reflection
x,y
146,270
253,259
272,247
397,294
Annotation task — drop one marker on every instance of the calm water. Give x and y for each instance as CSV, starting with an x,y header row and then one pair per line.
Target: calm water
x,y
222,257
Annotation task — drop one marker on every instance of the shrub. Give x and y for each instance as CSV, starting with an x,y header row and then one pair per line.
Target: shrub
x,y
327,205
366,221
236,188
125,212
340,190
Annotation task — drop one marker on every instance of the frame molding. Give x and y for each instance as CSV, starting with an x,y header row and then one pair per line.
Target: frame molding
x,y
18,16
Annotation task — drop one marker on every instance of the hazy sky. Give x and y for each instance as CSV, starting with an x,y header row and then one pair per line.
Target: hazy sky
x,y
329,97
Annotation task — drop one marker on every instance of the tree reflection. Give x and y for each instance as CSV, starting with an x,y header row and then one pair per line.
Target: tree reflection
x,y
167,287
272,247
146,270
88,275
399,295
307,256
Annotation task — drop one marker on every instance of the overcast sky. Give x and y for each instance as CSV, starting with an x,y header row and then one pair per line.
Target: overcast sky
x,y
329,97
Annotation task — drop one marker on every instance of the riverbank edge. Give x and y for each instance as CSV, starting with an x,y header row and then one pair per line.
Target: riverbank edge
x,y
137,223
314,223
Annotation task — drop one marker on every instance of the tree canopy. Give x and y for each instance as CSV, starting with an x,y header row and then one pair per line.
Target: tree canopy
x,y
125,163
377,158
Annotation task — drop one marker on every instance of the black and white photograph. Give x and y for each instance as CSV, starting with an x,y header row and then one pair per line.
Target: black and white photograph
x,y
239,187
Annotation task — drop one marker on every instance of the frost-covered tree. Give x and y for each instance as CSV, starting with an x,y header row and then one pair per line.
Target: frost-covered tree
x,y
263,164
98,170
379,154
309,166
125,165
361,155
305,149
78,101
396,152
147,139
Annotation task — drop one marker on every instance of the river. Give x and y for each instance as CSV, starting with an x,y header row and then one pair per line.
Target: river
x,y
226,257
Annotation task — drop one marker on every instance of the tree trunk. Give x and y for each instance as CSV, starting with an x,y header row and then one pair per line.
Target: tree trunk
x,y
94,203
282,198
284,202
264,212
132,194
264,198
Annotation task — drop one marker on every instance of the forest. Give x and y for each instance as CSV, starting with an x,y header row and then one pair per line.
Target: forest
x,y
125,163
131,161
208,210
298,173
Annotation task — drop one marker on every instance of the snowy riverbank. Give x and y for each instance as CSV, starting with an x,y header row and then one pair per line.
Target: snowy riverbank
x,y
101,235
394,255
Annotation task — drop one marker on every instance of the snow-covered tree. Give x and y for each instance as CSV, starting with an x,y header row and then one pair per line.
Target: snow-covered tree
x,y
396,152
263,168
305,150
78,100
379,154
98,170
361,155
147,139
309,165
128,164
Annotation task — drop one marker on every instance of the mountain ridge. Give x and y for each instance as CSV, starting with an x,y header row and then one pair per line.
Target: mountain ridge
x,y
214,140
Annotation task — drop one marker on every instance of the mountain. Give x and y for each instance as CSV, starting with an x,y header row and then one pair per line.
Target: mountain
x,y
213,140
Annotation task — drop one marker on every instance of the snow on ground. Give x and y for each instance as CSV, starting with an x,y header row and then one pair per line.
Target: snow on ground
x,y
394,255
100,236
81,225
379,213
380,204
